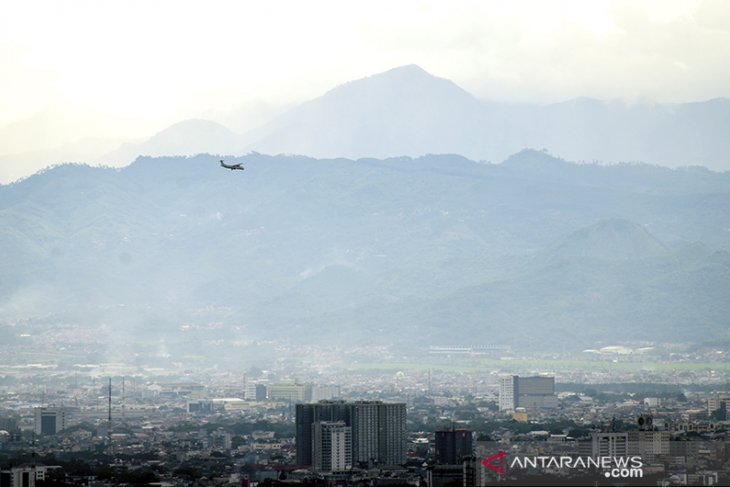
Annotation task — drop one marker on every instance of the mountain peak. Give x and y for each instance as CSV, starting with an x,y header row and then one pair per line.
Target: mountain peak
x,y
410,80
611,239
403,111
189,137
400,73
407,111
533,159
408,70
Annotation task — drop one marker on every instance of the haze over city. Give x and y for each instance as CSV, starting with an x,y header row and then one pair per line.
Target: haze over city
x,y
333,243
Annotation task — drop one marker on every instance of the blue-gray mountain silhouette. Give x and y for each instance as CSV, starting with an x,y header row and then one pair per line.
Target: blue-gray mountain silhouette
x,y
417,251
408,112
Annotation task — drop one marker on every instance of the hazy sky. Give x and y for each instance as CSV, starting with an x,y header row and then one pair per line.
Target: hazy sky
x,y
70,70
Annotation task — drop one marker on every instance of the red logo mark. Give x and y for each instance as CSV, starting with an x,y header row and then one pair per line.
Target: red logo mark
x,y
488,462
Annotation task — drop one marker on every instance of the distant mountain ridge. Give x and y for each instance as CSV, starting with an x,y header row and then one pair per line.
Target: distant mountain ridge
x,y
536,252
408,112
611,240
189,137
404,111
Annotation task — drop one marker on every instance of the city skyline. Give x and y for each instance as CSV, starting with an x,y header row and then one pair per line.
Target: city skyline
x,y
475,243
634,431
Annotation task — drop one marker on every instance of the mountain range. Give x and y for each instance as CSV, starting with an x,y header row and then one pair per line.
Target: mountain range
x,y
409,112
536,252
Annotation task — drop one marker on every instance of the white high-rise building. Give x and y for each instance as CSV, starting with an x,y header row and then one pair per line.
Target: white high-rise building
x,y
717,401
507,393
331,446
610,444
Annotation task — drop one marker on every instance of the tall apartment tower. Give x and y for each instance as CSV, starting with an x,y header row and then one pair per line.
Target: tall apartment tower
x,y
391,433
453,445
308,414
378,430
507,393
331,446
364,419
50,420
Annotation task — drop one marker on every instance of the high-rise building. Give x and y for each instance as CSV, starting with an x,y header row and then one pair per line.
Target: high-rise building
x,y
391,433
289,392
610,444
453,445
255,391
718,402
648,443
378,430
507,393
446,475
25,476
331,446
50,420
308,414
201,407
527,392
536,393
325,392
364,420
474,474
645,444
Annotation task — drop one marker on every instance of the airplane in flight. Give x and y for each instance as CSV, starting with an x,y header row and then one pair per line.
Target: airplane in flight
x,y
232,167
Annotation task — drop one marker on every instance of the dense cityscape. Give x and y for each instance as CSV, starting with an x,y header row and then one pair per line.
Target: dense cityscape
x,y
441,416
361,244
